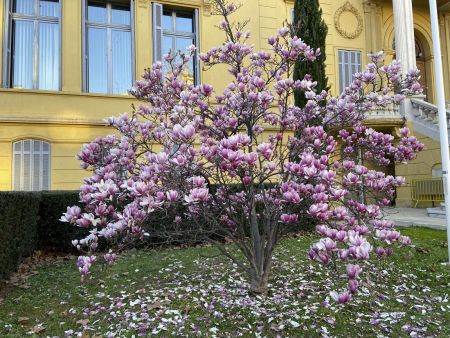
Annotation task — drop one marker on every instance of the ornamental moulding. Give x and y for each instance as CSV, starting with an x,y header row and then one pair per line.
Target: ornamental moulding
x,y
348,7
207,7
143,3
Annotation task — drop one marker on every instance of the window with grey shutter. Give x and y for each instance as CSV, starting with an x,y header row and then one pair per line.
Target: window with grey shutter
x,y
175,29
349,64
31,165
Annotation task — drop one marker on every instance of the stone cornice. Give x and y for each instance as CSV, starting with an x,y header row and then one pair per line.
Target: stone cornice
x,y
52,120
189,3
12,91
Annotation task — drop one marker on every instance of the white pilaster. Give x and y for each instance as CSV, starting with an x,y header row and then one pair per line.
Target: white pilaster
x,y
404,34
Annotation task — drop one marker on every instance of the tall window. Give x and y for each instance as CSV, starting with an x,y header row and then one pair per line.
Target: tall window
x,y
33,44
31,165
108,47
174,30
349,64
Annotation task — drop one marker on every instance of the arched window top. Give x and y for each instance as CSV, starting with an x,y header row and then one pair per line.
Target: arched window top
x,y
436,170
31,165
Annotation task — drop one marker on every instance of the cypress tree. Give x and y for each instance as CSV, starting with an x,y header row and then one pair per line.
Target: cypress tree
x,y
310,27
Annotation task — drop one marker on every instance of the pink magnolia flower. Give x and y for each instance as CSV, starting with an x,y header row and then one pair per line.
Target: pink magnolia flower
x,y
71,215
197,195
353,270
353,286
265,149
340,298
172,195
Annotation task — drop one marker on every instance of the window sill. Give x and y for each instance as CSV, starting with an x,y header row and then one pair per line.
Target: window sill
x,y
68,93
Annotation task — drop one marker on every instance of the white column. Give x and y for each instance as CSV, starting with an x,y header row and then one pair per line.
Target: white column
x,y
443,131
404,34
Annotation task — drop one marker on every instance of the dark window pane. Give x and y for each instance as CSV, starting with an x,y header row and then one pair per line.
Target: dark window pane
x,y
121,62
24,7
97,12
98,60
184,23
121,15
167,20
49,56
22,54
49,7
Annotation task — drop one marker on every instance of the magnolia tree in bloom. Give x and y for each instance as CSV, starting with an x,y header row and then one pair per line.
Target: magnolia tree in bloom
x,y
240,162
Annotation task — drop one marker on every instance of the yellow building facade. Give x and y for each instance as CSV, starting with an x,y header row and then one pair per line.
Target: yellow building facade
x,y
55,103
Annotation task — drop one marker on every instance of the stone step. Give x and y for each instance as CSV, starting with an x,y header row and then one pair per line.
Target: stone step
x,y
436,212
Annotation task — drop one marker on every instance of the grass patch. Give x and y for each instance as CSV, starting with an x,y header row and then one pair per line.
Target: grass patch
x,y
179,292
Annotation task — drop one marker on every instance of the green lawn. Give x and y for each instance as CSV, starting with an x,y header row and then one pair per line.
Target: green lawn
x,y
180,292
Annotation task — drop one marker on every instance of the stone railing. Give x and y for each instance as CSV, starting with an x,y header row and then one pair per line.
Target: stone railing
x,y
426,119
390,114
427,111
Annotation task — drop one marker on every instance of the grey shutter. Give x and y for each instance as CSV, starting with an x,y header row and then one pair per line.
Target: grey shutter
x,y
36,168
7,44
45,160
17,165
26,166
197,44
157,12
342,70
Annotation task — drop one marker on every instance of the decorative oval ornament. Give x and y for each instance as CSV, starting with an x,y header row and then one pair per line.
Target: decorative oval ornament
x,y
348,7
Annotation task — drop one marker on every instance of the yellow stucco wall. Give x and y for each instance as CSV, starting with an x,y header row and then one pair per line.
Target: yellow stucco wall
x,y
420,168
69,118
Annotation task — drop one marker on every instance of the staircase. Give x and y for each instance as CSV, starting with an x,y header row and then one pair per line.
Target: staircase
x,y
425,118
438,212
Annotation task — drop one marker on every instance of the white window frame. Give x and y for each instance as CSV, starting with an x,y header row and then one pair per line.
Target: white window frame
x,y
9,16
30,152
348,69
109,27
158,33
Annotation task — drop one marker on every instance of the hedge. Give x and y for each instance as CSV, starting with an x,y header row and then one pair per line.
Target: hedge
x,y
52,233
18,229
30,221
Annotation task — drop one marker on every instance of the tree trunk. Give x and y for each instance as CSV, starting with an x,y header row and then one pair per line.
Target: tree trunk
x,y
260,279
258,284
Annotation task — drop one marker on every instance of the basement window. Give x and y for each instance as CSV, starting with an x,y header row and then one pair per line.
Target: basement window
x,y
31,165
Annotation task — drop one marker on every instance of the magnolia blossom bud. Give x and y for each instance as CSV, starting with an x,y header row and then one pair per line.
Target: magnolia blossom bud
x,y
353,285
353,271
380,251
340,298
